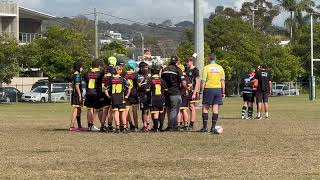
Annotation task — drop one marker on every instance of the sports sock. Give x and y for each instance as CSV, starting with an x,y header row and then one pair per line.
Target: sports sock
x,y
191,124
214,120
90,125
259,114
267,114
244,110
205,118
250,111
155,123
161,120
109,124
79,121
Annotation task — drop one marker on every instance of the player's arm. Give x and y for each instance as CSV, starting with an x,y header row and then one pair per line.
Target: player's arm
x,y
127,84
223,83
182,79
198,82
107,87
203,80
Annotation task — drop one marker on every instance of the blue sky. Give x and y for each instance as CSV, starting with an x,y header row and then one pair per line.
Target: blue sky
x,y
139,10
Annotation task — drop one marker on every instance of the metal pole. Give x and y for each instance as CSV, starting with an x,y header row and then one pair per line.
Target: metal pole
x,y
199,34
142,44
96,34
253,13
312,78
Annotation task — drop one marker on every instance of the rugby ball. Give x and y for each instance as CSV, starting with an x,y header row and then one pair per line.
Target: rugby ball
x,y
218,129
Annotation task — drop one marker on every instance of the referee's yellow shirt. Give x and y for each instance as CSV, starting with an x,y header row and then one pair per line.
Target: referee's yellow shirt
x,y
213,74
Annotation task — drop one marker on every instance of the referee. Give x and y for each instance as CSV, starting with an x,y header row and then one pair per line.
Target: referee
x,y
213,85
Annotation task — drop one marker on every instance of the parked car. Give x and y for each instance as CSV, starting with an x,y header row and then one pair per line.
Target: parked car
x,y
40,94
45,82
283,89
10,94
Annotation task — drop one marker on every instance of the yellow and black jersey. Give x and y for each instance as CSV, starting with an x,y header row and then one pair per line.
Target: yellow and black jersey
x,y
93,80
157,88
117,87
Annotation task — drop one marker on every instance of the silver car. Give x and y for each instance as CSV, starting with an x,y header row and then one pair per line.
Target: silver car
x,y
40,94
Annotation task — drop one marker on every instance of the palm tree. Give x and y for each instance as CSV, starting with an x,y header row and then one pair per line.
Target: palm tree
x,y
296,9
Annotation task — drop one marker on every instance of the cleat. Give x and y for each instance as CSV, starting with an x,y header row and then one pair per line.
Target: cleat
x,y
103,129
249,118
242,117
117,130
110,129
185,128
204,130
258,118
94,129
126,130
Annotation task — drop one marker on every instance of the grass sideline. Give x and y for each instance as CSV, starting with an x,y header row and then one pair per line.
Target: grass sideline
x,y
36,145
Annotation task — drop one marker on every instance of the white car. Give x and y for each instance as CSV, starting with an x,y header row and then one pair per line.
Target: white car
x,y
282,90
40,94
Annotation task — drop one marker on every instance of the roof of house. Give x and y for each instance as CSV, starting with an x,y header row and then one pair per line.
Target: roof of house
x,y
30,13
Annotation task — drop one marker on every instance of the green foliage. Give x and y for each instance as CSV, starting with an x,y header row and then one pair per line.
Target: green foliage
x,y
9,66
113,49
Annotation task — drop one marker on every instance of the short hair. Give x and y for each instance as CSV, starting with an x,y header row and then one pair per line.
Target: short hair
x,y
212,57
263,66
174,60
77,66
96,63
143,65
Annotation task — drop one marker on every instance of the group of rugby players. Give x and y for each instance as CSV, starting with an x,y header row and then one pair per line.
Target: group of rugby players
x,y
115,93
257,85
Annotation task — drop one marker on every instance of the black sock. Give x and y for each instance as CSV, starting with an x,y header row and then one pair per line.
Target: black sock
x,y
191,124
214,120
180,124
90,125
161,120
155,123
79,121
250,111
109,124
244,110
205,118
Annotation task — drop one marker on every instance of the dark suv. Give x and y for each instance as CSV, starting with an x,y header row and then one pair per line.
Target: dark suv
x,y
10,94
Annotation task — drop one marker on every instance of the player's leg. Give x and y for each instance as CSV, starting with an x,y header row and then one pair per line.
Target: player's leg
x,y
135,116
245,106
193,114
162,116
78,117
73,118
207,100
185,116
259,105
155,119
179,119
124,114
116,116
90,118
266,105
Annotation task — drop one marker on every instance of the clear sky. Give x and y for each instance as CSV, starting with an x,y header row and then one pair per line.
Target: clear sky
x,y
139,10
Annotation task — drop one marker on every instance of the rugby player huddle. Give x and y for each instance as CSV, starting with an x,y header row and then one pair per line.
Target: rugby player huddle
x,y
115,94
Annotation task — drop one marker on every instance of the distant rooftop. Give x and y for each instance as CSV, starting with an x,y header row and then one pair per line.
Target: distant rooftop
x,y
30,13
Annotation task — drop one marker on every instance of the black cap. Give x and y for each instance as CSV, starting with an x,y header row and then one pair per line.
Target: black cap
x,y
120,63
174,60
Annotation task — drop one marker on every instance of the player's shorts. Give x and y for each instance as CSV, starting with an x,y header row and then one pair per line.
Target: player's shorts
x,y
75,102
92,102
155,109
248,97
144,103
185,101
262,97
119,107
196,99
132,100
212,96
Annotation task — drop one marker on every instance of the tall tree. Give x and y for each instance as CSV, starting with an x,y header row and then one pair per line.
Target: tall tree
x,y
9,66
264,14
57,52
296,8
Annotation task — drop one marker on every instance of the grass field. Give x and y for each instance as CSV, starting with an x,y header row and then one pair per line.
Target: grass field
x,y
36,145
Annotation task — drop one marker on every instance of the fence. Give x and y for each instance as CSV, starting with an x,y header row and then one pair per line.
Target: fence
x,y
278,88
60,92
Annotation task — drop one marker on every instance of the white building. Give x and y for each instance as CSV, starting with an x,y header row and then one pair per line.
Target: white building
x,y
116,36
20,22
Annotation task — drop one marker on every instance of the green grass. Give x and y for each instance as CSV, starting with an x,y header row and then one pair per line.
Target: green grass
x,y
35,145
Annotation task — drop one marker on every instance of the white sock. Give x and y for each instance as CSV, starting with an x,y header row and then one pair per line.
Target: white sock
x,y
259,114
267,114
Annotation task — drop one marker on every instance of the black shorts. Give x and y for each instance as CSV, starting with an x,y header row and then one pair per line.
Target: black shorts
x,y
155,109
248,97
185,101
262,97
144,103
92,101
119,107
75,102
132,100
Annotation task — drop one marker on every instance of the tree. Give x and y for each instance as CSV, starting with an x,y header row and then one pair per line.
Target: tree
x,y
9,66
58,51
115,48
296,9
186,48
264,16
